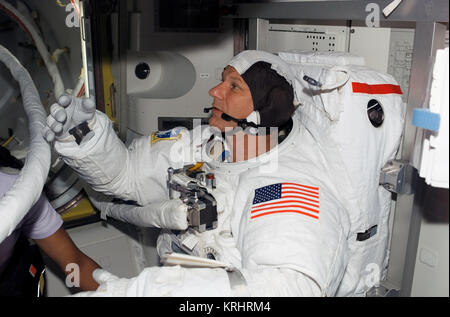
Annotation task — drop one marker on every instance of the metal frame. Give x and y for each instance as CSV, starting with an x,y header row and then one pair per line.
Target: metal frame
x,y
86,40
258,32
408,10
429,36
122,112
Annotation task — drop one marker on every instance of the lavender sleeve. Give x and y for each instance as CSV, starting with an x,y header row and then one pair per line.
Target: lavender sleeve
x,y
41,221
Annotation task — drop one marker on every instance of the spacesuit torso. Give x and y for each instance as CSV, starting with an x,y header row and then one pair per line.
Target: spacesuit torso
x,y
269,207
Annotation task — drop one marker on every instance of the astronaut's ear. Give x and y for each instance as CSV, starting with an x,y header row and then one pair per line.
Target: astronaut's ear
x,y
278,107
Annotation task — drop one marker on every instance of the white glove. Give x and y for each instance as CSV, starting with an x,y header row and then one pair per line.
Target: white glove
x,y
109,285
69,112
168,214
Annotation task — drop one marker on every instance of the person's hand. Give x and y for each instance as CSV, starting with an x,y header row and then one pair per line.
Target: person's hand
x,y
109,285
168,214
102,277
69,118
174,214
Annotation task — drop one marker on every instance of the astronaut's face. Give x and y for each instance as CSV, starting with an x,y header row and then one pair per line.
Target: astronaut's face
x,y
232,96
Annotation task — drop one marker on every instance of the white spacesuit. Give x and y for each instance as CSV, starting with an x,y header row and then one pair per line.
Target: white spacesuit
x,y
304,219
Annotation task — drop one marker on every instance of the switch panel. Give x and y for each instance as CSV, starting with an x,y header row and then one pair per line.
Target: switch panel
x,y
284,37
400,57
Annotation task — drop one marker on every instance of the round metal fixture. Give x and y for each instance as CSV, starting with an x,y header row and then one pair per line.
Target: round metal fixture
x,y
375,113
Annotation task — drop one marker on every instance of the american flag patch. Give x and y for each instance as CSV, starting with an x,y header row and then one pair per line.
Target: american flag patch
x,y
286,198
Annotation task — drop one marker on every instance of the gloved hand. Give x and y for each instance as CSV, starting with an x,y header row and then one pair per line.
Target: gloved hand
x,y
167,214
109,285
70,112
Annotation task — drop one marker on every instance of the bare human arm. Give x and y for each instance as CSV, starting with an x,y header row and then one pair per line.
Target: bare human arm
x,y
61,249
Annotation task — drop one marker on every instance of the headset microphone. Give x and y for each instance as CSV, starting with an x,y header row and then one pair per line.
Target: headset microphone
x,y
228,118
241,122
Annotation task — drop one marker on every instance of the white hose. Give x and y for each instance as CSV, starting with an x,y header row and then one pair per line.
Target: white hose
x,y
58,86
28,186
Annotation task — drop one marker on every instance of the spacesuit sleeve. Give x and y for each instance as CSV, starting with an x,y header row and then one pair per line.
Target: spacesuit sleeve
x,y
137,173
178,281
170,281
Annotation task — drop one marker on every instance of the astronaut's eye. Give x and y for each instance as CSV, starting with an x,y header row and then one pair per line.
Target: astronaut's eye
x,y
375,113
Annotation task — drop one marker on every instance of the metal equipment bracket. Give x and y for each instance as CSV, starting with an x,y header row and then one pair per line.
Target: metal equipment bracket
x,y
397,176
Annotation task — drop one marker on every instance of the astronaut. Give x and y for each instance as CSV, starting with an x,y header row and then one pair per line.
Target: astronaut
x,y
282,229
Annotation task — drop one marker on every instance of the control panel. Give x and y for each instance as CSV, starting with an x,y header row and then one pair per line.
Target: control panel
x,y
400,57
282,37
